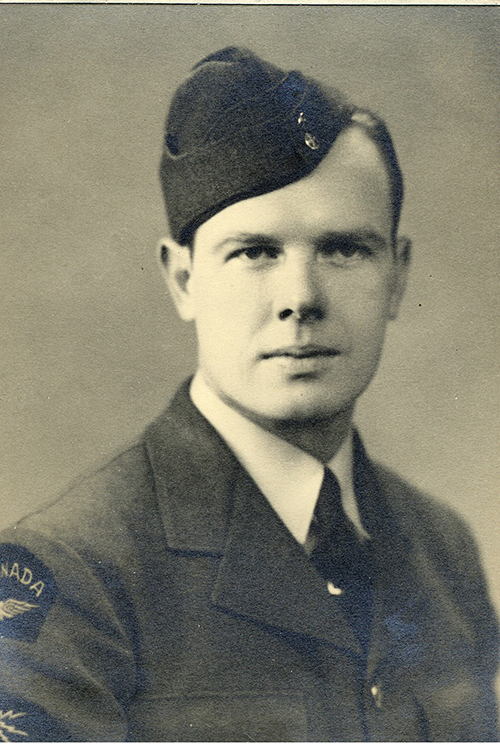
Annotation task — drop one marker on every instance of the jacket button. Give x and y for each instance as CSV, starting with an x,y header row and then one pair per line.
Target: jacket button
x,y
376,693
334,590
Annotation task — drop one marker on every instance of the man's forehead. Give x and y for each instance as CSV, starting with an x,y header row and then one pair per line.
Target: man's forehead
x,y
354,161
354,145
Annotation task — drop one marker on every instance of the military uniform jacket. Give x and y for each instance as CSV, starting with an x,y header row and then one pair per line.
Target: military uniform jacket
x,y
162,599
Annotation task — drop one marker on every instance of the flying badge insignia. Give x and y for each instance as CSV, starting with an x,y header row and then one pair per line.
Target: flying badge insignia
x,y
9,726
11,607
25,721
27,592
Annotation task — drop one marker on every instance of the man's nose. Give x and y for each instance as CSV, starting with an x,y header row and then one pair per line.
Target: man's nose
x,y
298,294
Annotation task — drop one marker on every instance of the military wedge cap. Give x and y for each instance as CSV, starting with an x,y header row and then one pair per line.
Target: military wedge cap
x,y
239,127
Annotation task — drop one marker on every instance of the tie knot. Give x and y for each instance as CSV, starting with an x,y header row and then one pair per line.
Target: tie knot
x,y
331,530
329,504
330,485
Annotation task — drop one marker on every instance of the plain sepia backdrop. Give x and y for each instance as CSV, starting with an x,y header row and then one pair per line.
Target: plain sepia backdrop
x,y
91,348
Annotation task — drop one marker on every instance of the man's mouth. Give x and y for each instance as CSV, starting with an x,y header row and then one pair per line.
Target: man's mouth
x,y
301,352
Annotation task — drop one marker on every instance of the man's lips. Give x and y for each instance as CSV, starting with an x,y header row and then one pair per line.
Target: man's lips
x,y
301,352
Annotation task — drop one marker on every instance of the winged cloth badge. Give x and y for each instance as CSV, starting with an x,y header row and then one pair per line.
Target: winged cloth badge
x,y
12,607
27,593
7,730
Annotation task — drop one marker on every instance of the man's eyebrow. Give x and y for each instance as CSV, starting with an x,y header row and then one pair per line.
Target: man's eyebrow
x,y
363,235
247,239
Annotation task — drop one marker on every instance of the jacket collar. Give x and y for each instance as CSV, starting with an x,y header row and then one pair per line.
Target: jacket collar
x,y
289,477
194,473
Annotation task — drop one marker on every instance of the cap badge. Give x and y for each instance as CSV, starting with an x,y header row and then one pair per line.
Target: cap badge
x,y
310,140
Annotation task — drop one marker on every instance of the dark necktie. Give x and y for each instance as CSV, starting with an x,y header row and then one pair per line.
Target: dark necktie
x,y
340,557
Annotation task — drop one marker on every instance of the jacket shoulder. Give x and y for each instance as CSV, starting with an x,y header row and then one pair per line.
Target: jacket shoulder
x,y
100,509
433,525
441,539
418,509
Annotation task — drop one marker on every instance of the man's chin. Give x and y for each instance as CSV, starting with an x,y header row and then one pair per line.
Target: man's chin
x,y
304,415
299,409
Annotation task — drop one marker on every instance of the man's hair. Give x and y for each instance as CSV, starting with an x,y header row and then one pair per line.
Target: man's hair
x,y
239,127
377,130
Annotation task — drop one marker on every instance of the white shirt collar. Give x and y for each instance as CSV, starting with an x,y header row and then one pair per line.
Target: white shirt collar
x,y
289,478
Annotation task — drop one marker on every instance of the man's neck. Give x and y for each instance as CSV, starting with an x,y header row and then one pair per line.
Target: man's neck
x,y
321,437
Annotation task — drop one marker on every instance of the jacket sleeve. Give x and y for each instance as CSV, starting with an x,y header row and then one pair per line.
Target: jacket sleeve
x,y
66,664
459,560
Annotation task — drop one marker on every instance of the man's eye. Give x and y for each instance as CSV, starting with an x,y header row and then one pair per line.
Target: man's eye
x,y
254,253
342,250
349,249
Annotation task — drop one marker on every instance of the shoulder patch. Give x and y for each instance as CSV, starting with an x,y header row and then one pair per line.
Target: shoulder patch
x,y
27,592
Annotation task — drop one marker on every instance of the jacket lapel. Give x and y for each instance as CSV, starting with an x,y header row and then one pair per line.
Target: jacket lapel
x,y
194,474
414,616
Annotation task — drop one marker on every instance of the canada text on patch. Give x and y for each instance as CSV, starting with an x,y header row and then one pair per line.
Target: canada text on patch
x,y
23,575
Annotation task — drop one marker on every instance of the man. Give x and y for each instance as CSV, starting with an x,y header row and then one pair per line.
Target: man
x,y
245,572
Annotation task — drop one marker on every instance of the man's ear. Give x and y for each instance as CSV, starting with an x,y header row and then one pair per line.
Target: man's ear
x,y
176,268
402,259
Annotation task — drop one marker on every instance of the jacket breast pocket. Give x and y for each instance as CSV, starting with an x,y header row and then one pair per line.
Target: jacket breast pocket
x,y
220,718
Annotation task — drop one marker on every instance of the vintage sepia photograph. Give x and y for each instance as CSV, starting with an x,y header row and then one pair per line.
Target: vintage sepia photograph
x,y
249,390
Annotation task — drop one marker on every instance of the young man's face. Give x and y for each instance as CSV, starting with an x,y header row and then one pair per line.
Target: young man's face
x,y
291,291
